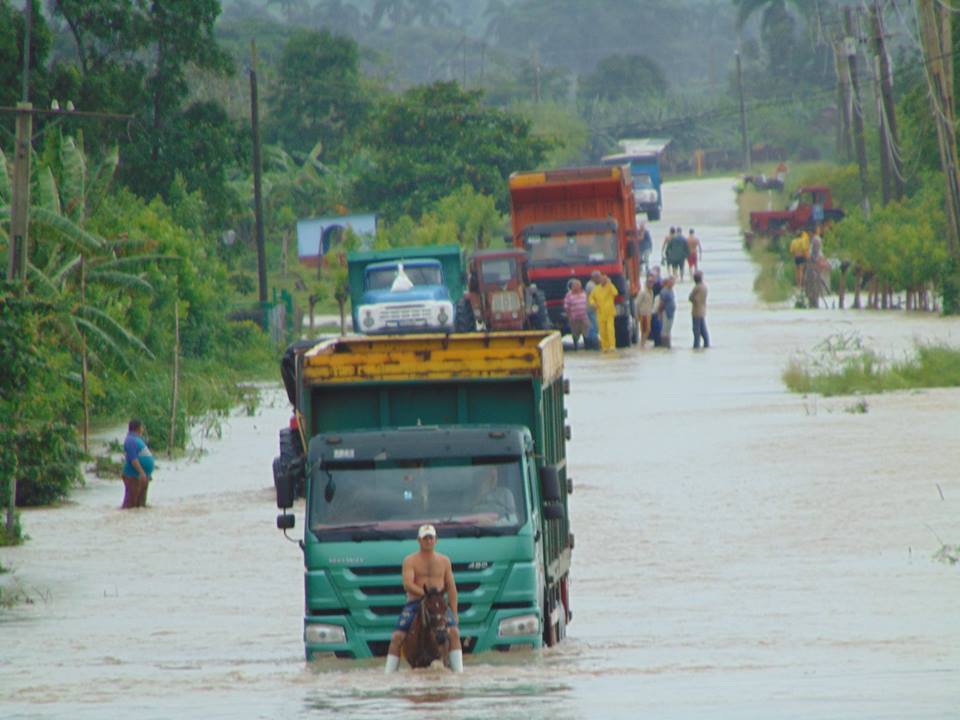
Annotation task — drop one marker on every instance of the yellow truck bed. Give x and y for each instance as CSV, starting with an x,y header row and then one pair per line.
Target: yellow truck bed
x,y
435,357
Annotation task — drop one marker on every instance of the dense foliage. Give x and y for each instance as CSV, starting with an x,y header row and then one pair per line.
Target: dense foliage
x,y
430,140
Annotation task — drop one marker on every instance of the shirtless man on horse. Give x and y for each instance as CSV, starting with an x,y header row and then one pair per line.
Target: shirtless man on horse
x,y
422,569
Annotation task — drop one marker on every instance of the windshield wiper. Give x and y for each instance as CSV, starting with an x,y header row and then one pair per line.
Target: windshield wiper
x,y
361,531
481,531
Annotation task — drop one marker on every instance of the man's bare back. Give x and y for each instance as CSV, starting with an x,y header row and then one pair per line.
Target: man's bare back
x,y
421,569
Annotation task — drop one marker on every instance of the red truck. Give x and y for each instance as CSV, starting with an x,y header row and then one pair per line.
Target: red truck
x,y
811,206
571,222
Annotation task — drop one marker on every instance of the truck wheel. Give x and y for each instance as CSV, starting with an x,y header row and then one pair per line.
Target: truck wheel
x,y
621,330
290,453
653,215
465,321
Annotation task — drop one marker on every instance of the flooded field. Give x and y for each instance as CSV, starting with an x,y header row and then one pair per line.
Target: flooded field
x,y
741,552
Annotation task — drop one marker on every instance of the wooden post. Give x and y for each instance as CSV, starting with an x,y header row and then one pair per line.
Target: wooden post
x,y
257,180
83,362
20,202
176,375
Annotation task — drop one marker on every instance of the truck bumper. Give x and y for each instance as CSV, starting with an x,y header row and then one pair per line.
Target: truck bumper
x,y
475,636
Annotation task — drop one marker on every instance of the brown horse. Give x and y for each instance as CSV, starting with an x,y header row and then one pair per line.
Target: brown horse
x,y
428,640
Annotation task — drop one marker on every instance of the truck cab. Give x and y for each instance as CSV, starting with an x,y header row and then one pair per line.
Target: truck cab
x,y
405,290
500,293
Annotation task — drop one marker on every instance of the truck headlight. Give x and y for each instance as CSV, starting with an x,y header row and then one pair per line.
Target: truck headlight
x,y
519,625
442,317
317,634
368,321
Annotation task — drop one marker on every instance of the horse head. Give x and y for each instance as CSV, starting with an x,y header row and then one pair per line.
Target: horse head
x,y
434,610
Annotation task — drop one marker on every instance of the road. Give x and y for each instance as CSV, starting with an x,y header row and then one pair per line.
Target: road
x,y
741,552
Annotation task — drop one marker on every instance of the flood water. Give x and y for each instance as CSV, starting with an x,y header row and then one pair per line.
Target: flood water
x,y
741,552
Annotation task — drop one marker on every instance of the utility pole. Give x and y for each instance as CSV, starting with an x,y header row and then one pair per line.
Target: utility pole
x,y
743,115
882,129
257,181
844,124
20,202
850,49
889,116
935,34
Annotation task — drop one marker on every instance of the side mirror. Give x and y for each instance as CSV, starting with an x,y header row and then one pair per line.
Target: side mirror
x,y
283,483
508,240
552,512
550,484
286,522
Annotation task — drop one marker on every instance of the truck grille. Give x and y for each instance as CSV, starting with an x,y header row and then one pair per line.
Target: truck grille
x,y
404,313
398,589
394,610
504,302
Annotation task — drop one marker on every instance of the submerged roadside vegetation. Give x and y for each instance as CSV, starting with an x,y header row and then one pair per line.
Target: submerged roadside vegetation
x,y
842,365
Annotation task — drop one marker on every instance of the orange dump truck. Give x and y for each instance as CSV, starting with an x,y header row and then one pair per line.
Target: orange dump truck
x,y
572,222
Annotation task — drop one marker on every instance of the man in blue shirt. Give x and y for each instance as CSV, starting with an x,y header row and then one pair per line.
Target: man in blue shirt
x,y
138,466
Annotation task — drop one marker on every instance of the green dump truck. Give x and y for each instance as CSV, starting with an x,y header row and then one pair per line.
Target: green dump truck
x,y
409,429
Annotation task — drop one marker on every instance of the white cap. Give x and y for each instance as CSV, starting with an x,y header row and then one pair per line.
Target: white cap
x,y
426,530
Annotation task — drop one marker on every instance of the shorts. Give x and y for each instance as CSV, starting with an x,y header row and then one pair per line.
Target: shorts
x,y
799,260
410,611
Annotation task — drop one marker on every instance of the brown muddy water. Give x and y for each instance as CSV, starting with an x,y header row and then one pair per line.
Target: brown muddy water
x,y
742,552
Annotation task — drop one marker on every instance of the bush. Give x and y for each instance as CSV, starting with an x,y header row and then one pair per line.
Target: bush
x,y
47,464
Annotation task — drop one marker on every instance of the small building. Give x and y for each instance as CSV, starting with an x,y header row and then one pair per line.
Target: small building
x,y
317,236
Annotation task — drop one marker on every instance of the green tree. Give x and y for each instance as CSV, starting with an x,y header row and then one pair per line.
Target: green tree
x,y
11,52
433,139
134,58
318,95
624,76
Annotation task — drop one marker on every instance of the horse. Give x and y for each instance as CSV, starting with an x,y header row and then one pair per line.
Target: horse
x,y
428,639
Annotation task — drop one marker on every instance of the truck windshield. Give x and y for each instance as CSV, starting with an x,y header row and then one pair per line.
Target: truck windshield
x,y
382,278
642,181
572,248
357,502
498,271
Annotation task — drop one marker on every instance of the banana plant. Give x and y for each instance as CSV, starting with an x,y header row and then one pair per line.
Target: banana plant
x,y
76,276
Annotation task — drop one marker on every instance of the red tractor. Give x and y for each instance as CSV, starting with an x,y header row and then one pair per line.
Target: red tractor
x,y
811,206
500,295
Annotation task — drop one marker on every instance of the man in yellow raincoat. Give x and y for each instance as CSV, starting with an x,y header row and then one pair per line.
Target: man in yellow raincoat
x,y
800,249
602,300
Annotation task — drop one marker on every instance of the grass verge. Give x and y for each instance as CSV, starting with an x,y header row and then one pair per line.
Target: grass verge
x,y
841,365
